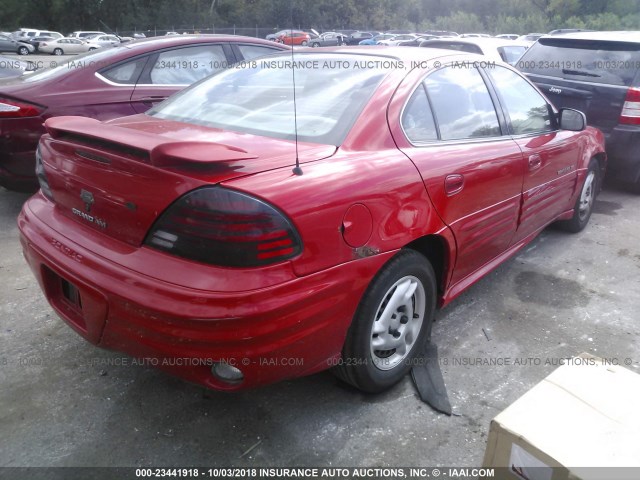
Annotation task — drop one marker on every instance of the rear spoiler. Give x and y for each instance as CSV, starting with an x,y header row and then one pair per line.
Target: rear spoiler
x,y
141,146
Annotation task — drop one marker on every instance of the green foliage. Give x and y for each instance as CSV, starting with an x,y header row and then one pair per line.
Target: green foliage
x,y
491,16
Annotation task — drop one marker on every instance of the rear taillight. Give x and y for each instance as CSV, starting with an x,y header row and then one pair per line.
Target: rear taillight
x,y
14,109
227,228
42,176
631,109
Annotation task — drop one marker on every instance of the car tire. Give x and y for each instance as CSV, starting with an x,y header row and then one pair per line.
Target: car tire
x,y
304,43
92,49
315,44
583,207
23,51
58,51
382,341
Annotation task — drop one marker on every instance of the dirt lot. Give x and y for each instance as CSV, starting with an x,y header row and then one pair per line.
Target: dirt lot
x,y
60,405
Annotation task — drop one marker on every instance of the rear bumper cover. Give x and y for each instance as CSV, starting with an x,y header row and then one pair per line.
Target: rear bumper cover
x,y
281,331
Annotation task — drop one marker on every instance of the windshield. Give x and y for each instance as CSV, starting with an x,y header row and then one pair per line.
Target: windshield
x,y
330,92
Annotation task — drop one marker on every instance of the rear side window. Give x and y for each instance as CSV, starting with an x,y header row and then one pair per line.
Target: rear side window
x,y
417,118
612,63
126,73
254,51
461,104
528,110
184,66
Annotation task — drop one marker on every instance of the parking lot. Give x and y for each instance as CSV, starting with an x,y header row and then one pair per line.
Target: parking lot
x,y
66,403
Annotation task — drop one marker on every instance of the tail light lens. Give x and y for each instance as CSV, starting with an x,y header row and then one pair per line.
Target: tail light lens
x,y
631,109
14,109
223,227
42,176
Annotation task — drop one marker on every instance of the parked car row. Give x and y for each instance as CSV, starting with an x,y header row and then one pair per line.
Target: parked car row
x,y
26,41
123,80
220,226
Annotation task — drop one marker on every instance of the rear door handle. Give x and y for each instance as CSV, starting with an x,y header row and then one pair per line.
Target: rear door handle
x,y
535,162
453,184
152,100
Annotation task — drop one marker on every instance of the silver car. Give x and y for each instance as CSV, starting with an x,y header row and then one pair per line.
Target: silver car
x,y
8,44
105,40
63,46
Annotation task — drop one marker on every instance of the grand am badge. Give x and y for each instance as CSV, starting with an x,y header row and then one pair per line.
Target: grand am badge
x,y
89,218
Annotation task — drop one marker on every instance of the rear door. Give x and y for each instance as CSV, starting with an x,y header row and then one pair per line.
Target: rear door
x,y
471,168
550,155
171,70
592,76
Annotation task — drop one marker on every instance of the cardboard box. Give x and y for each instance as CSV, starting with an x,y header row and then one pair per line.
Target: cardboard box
x,y
581,422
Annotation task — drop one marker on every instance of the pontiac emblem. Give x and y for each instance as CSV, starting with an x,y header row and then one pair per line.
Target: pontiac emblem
x,y
87,198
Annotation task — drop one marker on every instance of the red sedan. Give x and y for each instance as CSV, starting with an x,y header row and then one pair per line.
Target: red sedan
x,y
124,80
225,239
294,38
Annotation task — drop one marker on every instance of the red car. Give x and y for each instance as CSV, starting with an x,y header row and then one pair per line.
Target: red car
x,y
225,239
123,80
295,38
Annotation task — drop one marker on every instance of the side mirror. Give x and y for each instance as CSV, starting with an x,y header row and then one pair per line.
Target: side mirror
x,y
570,119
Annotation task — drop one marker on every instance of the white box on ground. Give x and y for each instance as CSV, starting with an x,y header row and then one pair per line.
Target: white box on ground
x,y
585,416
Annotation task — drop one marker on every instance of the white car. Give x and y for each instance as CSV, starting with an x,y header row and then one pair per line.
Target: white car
x,y
508,36
508,51
64,46
105,40
85,34
398,38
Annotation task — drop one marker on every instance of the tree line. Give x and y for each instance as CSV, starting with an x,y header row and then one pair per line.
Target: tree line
x,y
490,16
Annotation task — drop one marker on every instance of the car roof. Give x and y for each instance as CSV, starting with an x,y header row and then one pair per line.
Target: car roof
x,y
614,36
405,54
144,44
480,41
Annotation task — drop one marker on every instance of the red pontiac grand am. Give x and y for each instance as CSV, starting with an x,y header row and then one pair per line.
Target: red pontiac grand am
x,y
189,236
110,83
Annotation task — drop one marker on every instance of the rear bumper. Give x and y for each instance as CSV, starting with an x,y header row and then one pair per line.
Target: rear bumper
x,y
281,331
623,152
18,142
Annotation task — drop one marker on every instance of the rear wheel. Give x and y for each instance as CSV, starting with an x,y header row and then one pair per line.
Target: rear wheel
x,y
58,51
392,321
304,43
583,208
23,51
315,44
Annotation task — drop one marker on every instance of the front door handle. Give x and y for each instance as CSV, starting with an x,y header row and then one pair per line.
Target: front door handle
x,y
535,162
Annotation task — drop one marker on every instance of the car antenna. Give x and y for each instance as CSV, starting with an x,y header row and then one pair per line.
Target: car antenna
x,y
296,170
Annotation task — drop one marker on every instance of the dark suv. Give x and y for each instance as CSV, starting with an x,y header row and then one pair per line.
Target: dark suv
x,y
597,73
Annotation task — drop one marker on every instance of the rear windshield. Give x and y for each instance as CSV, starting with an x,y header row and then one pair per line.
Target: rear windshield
x,y
612,63
459,46
258,96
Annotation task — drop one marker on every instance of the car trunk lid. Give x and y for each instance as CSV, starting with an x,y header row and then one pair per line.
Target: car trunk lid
x,y
118,177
